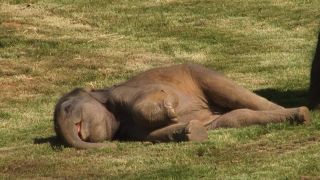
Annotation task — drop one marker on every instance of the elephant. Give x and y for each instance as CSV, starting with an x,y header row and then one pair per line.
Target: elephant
x,y
314,89
166,104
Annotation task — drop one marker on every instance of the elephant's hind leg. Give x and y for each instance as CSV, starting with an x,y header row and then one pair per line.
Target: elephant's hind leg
x,y
225,93
246,117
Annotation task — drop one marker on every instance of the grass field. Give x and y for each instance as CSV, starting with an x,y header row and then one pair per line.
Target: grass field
x,y
49,47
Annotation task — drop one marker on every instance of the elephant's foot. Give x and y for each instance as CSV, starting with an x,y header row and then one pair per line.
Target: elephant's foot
x,y
303,115
196,132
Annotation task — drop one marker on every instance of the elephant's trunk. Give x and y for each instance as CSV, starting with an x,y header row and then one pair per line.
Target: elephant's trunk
x,y
66,129
69,133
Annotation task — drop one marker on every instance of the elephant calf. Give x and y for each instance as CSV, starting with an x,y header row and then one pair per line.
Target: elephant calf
x,y
177,103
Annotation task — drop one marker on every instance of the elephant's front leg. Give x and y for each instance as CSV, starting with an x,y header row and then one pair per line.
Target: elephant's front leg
x,y
192,131
155,109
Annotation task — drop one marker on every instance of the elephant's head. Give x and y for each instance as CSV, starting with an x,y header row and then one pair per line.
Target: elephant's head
x,y
82,121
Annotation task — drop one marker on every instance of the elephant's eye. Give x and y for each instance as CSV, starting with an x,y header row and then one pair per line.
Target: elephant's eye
x,y
66,106
67,109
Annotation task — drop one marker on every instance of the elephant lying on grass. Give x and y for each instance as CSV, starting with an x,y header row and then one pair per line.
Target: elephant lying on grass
x,y
177,103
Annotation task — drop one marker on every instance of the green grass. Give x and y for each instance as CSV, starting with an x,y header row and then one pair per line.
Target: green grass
x,y
49,47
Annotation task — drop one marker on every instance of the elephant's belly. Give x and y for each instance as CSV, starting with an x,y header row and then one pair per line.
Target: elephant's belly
x,y
195,108
200,115
193,112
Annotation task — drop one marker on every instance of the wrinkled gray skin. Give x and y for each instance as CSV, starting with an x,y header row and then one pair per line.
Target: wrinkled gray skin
x,y
176,103
314,90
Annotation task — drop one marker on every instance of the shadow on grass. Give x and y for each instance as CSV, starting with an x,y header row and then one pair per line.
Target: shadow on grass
x,y
54,142
290,98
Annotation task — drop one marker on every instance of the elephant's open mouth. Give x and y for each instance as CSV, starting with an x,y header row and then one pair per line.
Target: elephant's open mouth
x,y
78,126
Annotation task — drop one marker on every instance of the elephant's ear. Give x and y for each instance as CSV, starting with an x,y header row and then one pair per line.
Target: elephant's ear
x,y
100,95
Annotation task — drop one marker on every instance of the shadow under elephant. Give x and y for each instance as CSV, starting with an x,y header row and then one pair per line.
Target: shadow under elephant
x,y
54,142
289,98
